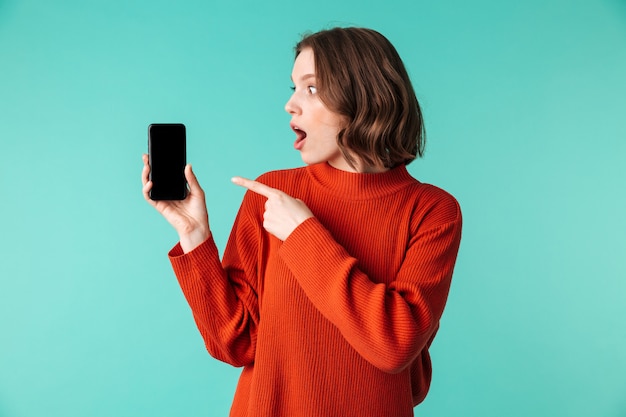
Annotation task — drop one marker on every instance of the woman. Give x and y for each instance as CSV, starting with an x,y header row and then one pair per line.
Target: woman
x,y
336,274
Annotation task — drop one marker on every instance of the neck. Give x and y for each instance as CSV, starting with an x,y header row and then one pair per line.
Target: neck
x,y
358,167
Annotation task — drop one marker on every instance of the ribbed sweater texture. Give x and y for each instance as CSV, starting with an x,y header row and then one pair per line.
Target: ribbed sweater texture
x,y
337,319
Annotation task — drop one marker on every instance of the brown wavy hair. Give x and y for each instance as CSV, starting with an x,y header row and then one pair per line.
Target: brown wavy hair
x,y
360,75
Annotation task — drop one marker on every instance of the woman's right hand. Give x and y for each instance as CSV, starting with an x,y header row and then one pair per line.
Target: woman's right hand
x,y
189,216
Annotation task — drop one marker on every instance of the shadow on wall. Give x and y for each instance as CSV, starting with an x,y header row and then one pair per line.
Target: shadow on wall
x,y
5,7
621,6
3,412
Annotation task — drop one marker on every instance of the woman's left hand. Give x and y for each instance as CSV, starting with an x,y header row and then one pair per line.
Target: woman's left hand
x,y
283,213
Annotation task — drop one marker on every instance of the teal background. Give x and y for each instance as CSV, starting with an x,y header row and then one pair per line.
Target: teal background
x,y
525,107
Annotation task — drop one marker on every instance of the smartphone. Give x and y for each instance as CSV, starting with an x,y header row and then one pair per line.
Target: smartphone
x,y
167,152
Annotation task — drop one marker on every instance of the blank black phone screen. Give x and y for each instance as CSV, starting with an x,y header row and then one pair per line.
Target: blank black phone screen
x,y
167,154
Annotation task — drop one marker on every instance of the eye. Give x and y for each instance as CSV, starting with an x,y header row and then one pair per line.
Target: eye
x,y
292,88
312,89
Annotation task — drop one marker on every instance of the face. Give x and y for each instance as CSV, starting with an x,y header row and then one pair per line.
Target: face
x,y
315,126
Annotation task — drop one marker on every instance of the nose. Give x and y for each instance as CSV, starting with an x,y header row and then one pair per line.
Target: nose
x,y
292,106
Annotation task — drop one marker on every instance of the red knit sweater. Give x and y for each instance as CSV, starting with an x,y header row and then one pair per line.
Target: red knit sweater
x,y
337,319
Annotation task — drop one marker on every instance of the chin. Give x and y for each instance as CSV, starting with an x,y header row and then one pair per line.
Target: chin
x,y
309,160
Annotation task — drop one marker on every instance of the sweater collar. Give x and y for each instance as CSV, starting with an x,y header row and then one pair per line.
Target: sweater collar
x,y
359,186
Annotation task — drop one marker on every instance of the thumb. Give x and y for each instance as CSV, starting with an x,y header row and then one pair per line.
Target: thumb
x,y
194,185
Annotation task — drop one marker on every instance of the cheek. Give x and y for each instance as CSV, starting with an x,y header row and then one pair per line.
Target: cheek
x,y
327,134
332,122
327,123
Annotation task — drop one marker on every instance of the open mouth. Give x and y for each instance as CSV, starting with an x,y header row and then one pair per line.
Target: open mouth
x,y
300,137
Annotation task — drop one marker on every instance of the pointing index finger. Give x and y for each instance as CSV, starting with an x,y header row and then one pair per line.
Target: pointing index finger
x,y
254,186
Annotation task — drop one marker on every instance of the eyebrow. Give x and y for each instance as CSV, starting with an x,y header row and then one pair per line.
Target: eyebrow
x,y
306,77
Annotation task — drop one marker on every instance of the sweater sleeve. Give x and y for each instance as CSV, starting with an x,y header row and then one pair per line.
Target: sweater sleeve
x,y
223,295
387,324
